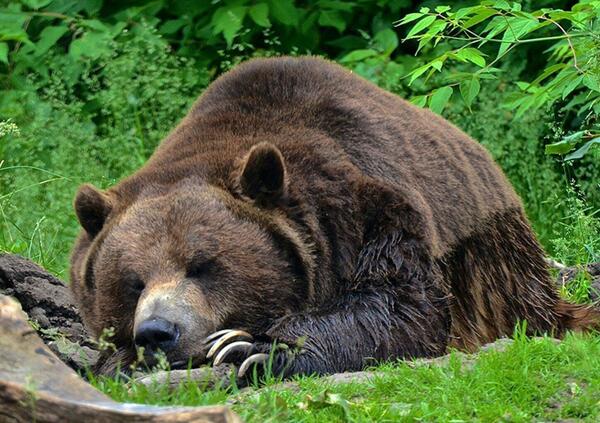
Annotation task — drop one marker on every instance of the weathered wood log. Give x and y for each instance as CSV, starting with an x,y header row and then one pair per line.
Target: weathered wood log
x,y
206,377
36,386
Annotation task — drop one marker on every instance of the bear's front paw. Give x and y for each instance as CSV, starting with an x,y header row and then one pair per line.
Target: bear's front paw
x,y
239,348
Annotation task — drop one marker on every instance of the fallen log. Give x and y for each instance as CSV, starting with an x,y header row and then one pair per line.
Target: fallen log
x,y
35,385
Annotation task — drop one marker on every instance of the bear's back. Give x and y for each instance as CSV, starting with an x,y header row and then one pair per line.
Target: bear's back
x,y
385,137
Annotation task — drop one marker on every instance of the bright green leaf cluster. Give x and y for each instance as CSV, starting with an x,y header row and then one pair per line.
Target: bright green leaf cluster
x,y
495,29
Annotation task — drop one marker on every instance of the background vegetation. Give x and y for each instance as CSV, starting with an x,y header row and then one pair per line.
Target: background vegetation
x,y
88,88
93,86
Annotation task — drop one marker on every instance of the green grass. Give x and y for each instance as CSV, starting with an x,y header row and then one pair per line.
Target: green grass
x,y
532,379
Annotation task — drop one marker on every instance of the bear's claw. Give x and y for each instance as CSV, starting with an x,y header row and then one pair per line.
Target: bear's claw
x,y
212,337
253,359
238,346
219,339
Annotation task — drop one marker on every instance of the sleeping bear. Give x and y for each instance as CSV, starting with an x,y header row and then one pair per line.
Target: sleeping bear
x,y
303,216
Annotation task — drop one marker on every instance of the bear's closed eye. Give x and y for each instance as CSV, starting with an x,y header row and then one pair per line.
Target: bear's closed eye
x,y
134,283
198,268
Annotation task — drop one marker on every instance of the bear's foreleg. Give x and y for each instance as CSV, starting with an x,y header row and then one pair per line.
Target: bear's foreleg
x,y
393,311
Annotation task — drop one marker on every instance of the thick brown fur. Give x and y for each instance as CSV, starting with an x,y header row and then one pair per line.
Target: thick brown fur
x,y
321,208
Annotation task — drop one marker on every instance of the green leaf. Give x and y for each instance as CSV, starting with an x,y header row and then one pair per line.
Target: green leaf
x,y
547,72
420,100
358,55
36,4
466,11
409,18
469,89
91,44
436,28
332,18
48,37
574,84
501,4
420,26
228,20
327,399
414,74
260,14
438,62
478,18
337,5
560,147
11,27
582,151
91,6
576,101
592,81
284,11
4,53
495,26
95,24
574,137
439,99
385,41
515,30
472,55
442,9
566,144
172,26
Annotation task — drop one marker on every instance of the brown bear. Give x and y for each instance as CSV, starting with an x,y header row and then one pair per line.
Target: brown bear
x,y
299,205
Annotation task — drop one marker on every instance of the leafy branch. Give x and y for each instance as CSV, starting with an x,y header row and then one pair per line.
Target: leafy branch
x,y
484,35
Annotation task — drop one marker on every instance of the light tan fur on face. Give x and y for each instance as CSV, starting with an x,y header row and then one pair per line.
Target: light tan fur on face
x,y
178,301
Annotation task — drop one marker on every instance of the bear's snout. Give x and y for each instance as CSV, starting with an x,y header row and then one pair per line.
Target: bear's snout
x,y
157,334
172,316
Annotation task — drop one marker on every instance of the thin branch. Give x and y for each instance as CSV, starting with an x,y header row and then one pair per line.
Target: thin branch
x,y
18,44
528,40
568,40
493,62
52,15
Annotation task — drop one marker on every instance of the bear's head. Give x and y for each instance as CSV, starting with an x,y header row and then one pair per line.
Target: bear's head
x,y
183,261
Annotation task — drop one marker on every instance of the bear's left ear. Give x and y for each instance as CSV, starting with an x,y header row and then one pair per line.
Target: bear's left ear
x,y
263,177
92,207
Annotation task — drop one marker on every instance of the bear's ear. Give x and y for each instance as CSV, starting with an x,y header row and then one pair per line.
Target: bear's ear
x,y
92,207
263,176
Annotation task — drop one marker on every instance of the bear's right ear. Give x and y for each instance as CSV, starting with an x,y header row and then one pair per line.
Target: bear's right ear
x,y
92,207
263,176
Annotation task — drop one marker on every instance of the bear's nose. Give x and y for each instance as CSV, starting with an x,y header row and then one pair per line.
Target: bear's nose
x,y
156,333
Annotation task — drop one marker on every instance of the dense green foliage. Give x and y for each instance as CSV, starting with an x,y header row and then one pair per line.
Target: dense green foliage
x,y
93,86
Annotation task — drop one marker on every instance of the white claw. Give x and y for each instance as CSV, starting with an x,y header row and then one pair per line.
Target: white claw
x,y
214,336
243,346
226,338
255,358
